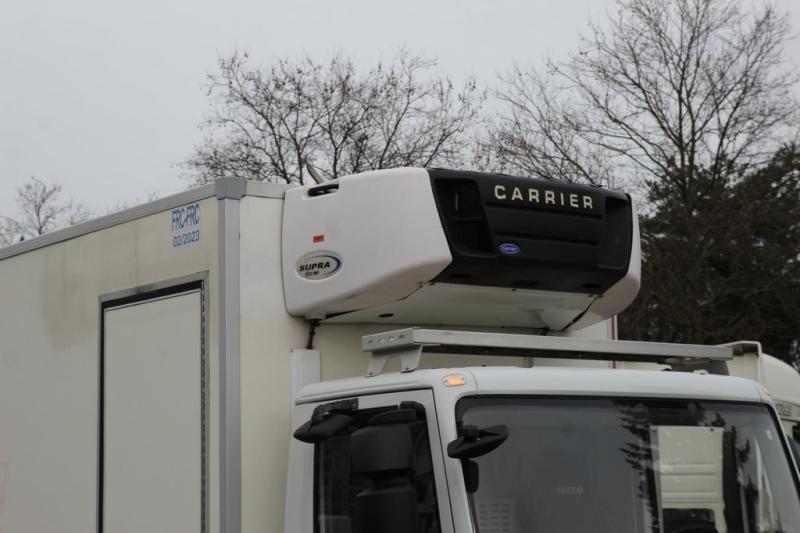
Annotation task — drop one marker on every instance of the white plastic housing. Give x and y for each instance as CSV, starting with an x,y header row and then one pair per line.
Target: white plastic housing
x,y
367,248
384,228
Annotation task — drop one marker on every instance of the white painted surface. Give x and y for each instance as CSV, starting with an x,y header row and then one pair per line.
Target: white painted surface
x,y
153,442
268,335
552,381
383,225
340,345
780,380
49,346
689,465
306,370
476,306
783,385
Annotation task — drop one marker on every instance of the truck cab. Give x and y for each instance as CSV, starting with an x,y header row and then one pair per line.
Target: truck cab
x,y
542,432
544,449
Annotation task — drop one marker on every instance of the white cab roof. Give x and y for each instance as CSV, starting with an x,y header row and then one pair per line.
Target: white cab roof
x,y
549,381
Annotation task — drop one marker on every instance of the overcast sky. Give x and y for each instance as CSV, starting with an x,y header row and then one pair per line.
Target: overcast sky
x,y
104,96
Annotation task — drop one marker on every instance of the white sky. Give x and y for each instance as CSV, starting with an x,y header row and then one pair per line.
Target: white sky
x,y
104,96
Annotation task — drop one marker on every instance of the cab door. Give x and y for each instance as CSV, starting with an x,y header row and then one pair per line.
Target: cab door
x,y
336,483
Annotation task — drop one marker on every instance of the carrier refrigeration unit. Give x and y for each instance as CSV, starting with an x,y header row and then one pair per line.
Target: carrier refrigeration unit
x,y
398,351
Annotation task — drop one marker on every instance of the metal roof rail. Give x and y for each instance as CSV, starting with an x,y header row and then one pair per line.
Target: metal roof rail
x,y
408,345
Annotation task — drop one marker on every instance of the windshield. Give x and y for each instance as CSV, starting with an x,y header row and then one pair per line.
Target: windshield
x,y
631,466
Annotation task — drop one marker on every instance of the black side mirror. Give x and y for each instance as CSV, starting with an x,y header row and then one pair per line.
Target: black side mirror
x,y
472,443
475,441
384,455
322,427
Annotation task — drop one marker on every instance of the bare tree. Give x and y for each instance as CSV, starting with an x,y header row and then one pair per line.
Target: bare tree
x,y
269,122
8,231
685,102
667,88
538,133
42,209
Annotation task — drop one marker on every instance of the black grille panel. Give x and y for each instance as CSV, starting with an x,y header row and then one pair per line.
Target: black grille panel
x,y
515,232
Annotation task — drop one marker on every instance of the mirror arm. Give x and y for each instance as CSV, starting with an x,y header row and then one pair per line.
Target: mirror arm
x,y
475,441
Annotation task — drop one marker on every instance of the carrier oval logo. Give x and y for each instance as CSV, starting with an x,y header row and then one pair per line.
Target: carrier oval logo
x,y
509,248
319,266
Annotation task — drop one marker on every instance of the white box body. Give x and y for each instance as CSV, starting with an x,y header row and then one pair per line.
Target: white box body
x,y
169,321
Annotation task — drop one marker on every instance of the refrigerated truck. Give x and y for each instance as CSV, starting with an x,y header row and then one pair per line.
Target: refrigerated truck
x,y
372,354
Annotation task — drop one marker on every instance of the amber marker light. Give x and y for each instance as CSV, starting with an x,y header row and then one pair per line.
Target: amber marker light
x,y
454,380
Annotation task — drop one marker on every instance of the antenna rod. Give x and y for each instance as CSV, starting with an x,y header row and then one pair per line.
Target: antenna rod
x,y
315,173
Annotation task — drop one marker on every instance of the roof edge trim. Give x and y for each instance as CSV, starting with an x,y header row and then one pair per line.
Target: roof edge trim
x,y
232,188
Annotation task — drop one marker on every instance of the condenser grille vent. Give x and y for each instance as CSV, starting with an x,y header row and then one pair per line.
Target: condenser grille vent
x,y
526,233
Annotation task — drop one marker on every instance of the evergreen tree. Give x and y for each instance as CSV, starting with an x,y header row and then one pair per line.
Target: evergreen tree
x,y
721,260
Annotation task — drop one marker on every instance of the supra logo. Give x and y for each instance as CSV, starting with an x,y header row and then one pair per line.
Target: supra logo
x,y
318,266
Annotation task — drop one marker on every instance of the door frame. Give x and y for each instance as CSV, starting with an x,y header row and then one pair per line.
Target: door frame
x,y
140,294
302,515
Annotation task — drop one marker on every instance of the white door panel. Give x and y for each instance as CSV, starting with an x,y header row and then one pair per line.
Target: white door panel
x,y
152,473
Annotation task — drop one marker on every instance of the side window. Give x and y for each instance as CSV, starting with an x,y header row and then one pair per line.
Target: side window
x,y
796,442
355,480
